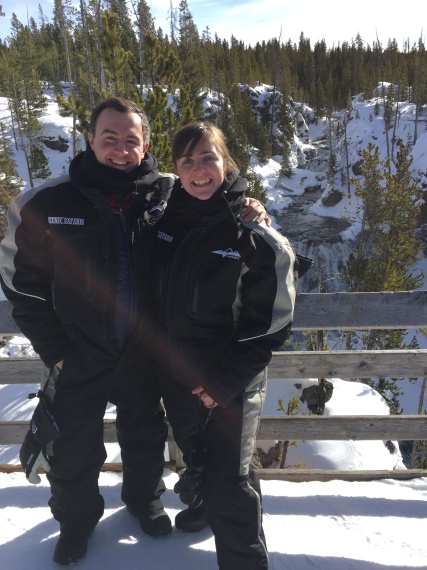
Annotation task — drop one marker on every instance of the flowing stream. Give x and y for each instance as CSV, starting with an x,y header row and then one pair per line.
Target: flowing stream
x,y
314,236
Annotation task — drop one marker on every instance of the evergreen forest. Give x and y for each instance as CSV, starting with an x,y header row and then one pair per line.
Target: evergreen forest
x,y
106,47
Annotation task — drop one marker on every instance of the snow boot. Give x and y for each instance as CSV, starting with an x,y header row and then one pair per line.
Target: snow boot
x,y
192,519
153,520
70,549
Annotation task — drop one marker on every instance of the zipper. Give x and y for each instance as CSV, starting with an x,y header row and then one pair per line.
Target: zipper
x,y
195,298
234,215
128,232
168,293
89,271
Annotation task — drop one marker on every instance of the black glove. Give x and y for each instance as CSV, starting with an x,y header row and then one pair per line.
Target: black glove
x,y
188,486
43,429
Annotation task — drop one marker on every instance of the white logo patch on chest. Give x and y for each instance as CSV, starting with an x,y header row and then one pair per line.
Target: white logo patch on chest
x,y
166,237
227,253
66,221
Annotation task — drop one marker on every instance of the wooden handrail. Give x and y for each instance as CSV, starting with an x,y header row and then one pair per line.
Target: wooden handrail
x,y
329,311
284,364
370,428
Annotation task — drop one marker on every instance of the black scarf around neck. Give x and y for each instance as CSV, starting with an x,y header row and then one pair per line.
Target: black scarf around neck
x,y
86,171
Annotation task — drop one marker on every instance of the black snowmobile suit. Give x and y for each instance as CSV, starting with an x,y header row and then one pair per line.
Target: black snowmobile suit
x,y
66,265
223,295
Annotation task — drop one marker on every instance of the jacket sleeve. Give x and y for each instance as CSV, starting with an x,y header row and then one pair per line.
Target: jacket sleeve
x,y
26,272
267,300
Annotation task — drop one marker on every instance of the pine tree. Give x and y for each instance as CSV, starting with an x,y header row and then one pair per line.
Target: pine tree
x,y
161,64
387,242
232,127
69,48
255,133
420,85
186,112
145,25
388,106
27,100
346,119
115,58
255,187
262,143
63,14
387,247
86,51
332,160
319,99
162,125
208,66
128,38
286,128
292,409
72,107
165,71
10,183
38,164
93,21
189,53
173,17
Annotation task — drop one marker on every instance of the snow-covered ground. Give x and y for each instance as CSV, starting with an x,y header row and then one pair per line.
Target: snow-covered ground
x,y
324,526
331,525
336,525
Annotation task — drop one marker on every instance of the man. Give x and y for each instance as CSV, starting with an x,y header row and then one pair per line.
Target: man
x,y
67,266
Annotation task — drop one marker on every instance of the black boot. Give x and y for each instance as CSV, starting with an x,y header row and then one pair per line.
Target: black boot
x,y
70,549
192,519
153,520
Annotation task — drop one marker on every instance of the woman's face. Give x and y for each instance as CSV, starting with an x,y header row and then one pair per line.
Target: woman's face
x,y
202,172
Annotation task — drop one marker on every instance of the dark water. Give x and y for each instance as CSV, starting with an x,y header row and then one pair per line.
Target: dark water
x,y
301,225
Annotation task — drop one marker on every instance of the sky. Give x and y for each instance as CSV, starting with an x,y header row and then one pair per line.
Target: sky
x,y
260,20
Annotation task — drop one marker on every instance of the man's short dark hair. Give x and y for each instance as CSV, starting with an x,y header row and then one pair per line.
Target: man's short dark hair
x,y
122,106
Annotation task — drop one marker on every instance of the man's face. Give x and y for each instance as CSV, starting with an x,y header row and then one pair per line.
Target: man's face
x,y
118,140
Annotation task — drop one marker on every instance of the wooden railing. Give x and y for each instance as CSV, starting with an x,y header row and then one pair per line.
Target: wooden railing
x,y
329,311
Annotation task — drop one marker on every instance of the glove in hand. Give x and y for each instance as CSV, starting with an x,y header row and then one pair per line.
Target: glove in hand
x,y
31,456
43,429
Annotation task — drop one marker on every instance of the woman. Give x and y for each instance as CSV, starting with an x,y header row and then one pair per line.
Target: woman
x,y
223,294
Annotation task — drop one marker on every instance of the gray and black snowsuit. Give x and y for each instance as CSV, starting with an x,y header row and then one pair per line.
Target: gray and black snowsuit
x,y
223,294
67,266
